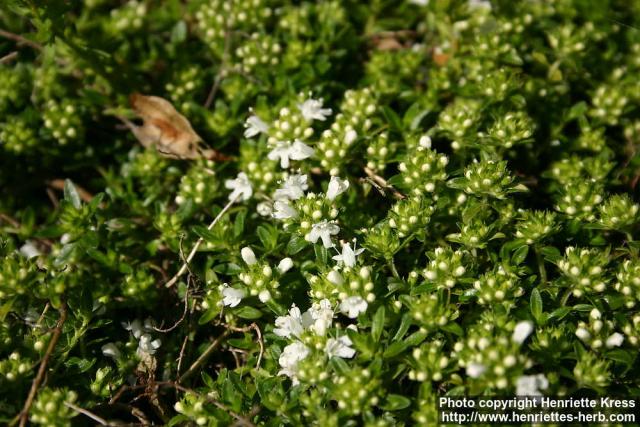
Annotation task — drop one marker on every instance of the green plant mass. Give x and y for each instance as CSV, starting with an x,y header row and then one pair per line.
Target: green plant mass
x,y
331,213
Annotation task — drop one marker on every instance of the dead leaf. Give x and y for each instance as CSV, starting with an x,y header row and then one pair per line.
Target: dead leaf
x,y
167,130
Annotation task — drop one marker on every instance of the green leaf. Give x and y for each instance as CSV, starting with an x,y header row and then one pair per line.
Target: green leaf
x,y
559,313
520,255
71,194
535,303
394,349
264,236
296,244
405,324
551,253
395,402
392,118
322,254
247,312
377,326
238,225
205,233
179,32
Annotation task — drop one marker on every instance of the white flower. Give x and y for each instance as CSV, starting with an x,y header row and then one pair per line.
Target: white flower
x,y
335,277
336,187
322,316
353,306
583,334
283,210
311,109
286,326
254,126
29,250
241,187
479,4
340,347
248,256
285,265
474,369
419,2
285,151
264,208
231,297
293,188
147,345
323,230
264,296
111,350
135,327
290,357
522,331
425,141
615,340
348,255
530,385
350,136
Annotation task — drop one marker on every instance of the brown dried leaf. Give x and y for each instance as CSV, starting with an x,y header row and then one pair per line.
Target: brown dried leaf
x,y
164,128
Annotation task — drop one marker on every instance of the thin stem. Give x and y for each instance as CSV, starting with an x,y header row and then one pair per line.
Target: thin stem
x,y
221,71
9,57
204,356
541,268
89,414
20,39
24,415
565,297
185,266
394,271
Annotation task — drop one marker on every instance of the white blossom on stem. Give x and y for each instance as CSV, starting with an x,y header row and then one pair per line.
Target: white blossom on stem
x,y
348,255
283,210
353,306
284,151
292,188
241,187
322,230
254,126
311,109
336,187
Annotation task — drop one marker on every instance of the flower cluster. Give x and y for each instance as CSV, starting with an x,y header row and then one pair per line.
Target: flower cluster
x,y
387,205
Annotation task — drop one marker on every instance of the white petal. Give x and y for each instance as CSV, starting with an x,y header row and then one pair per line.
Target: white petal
x,y
248,256
336,187
615,340
285,265
522,331
474,370
300,151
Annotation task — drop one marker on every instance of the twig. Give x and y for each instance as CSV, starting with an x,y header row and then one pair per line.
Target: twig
x,y
184,314
41,318
8,58
24,415
221,71
256,328
54,199
254,411
6,218
181,356
58,184
89,414
204,356
184,267
384,184
244,421
20,39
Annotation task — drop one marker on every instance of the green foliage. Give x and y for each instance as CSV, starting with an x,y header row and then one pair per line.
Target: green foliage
x,y
413,199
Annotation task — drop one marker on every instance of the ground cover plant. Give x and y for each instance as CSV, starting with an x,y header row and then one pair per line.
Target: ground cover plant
x,y
270,212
